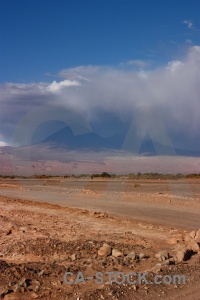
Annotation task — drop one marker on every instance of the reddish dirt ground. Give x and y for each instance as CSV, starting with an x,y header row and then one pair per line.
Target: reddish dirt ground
x,y
42,241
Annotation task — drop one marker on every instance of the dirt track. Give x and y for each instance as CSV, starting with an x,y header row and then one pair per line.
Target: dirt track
x,y
175,204
38,240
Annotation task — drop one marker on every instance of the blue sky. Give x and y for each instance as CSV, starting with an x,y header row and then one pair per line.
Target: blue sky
x,y
102,60
39,37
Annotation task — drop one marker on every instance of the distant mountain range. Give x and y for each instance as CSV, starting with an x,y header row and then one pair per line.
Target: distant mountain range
x,y
65,138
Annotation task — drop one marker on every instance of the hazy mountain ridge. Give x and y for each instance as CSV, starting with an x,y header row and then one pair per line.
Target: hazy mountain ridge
x,y
65,139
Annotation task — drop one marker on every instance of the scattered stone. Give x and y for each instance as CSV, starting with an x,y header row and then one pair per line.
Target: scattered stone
x,y
132,255
134,287
156,268
187,238
35,285
142,255
159,265
102,215
41,273
3,291
73,257
172,241
163,254
116,253
21,296
173,260
8,230
105,250
197,237
192,234
179,247
191,243
23,229
167,262
20,285
182,255
22,282
162,258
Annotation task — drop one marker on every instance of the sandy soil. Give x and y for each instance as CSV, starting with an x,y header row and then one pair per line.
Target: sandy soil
x,y
42,241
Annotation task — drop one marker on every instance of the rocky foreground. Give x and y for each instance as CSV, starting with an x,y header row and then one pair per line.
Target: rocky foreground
x,y
41,242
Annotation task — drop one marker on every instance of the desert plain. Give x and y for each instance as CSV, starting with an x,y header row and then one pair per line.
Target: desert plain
x,y
51,226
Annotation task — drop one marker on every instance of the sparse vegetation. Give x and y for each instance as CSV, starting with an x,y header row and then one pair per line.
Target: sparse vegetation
x,y
103,175
193,176
136,185
132,176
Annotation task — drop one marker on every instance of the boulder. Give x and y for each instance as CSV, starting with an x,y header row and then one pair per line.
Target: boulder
x,y
105,250
191,243
181,255
192,234
197,237
162,255
116,253
172,241
132,255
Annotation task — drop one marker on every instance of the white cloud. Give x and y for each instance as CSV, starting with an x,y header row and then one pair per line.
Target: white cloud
x,y
58,86
3,144
79,73
174,89
137,63
189,24
173,66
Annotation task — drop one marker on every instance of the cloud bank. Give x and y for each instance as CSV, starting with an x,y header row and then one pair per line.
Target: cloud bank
x,y
172,91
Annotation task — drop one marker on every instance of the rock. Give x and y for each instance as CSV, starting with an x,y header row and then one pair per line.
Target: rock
x,y
142,255
41,273
16,288
3,291
163,263
197,237
19,285
179,247
192,234
73,257
173,260
191,243
34,295
132,255
172,241
175,239
162,258
163,254
159,265
22,281
35,282
8,230
105,250
179,237
182,255
187,238
35,285
20,296
134,287
116,253
156,268
99,214
23,229
166,262
102,215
